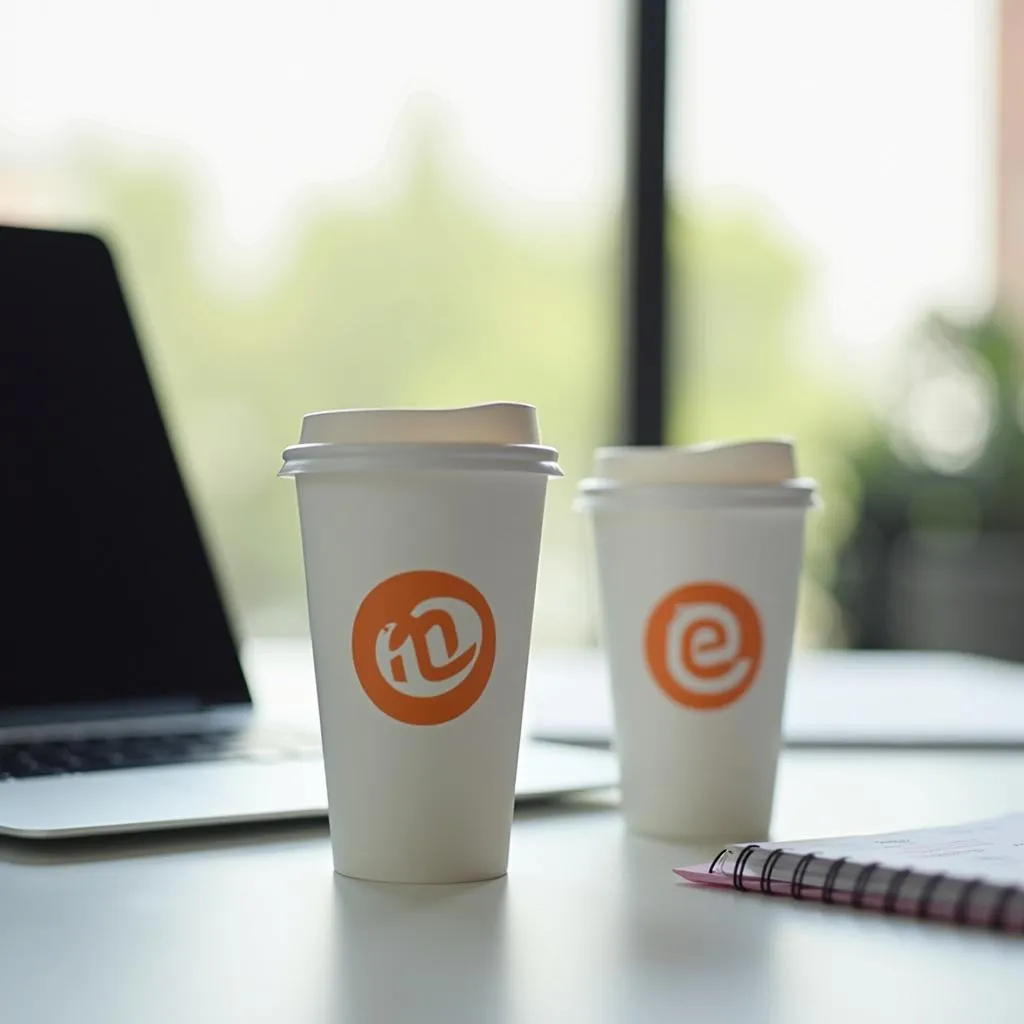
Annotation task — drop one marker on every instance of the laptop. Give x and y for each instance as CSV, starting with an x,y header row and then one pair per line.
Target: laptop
x,y
123,702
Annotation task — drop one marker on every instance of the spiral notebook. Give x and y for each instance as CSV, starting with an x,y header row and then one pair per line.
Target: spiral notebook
x,y
970,874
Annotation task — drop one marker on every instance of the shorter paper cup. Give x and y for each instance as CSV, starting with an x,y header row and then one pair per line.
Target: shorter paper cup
x,y
698,587
421,564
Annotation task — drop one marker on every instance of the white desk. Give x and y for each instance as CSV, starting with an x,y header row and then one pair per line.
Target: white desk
x,y
589,926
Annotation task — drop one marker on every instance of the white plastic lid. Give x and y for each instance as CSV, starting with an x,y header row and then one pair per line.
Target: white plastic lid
x,y
746,473
493,423
744,462
498,436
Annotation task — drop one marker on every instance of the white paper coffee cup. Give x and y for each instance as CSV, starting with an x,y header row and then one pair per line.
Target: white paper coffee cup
x,y
699,553
420,535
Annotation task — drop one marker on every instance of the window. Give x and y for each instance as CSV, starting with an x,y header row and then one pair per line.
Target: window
x,y
331,204
832,170
348,204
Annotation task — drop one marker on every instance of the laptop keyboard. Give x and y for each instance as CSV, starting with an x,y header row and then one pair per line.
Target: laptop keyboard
x,y
30,760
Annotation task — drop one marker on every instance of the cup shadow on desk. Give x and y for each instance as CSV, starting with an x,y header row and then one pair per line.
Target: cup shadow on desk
x,y
86,849
678,935
455,952
439,948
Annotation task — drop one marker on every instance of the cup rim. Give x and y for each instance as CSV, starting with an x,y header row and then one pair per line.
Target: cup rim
x,y
329,457
798,493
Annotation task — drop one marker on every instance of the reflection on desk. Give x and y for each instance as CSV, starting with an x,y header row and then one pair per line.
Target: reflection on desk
x,y
590,925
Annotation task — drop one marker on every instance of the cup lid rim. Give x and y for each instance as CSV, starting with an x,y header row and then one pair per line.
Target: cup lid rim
x,y
795,493
325,456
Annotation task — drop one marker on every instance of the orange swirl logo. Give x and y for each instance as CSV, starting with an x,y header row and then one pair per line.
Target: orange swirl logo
x,y
423,646
703,645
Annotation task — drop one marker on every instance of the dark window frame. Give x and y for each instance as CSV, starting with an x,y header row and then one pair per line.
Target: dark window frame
x,y
646,377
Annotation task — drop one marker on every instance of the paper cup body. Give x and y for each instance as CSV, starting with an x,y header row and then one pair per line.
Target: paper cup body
x,y
698,604
419,791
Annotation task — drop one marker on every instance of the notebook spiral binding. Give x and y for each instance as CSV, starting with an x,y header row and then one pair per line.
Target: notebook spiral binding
x,y
777,872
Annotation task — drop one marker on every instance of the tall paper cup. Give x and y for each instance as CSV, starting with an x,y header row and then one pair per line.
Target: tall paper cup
x,y
698,556
420,537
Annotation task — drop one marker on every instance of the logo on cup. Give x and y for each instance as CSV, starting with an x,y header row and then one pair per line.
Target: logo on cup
x,y
703,644
423,646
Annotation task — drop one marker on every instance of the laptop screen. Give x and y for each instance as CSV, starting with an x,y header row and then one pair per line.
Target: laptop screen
x,y
108,594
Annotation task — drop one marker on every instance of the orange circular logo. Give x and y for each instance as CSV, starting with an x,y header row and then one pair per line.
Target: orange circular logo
x,y
423,646
703,644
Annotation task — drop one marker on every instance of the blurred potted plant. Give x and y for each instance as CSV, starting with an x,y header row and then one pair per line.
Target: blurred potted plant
x,y
937,558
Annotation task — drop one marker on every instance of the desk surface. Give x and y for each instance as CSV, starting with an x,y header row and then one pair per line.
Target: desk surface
x,y
589,926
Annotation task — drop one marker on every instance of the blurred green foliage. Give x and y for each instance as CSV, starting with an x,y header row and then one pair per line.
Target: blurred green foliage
x,y
950,452
940,476
429,299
